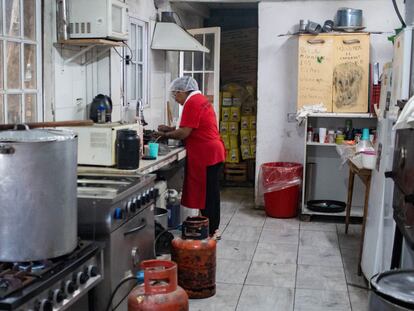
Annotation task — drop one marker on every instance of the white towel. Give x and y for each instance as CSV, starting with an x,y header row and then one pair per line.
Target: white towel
x,y
306,110
406,117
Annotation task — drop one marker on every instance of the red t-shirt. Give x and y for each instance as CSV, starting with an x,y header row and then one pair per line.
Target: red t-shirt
x,y
204,148
204,142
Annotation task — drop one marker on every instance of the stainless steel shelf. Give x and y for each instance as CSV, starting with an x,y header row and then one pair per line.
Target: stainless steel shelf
x,y
342,115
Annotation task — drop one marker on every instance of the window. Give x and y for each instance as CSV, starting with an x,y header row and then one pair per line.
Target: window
x,y
20,61
137,73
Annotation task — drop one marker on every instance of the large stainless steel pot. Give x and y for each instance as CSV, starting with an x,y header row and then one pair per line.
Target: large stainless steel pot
x,y
38,200
347,17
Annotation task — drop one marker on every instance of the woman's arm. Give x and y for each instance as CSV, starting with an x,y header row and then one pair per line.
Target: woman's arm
x,y
181,133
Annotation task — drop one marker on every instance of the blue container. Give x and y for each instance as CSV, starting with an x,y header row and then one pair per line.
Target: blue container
x,y
174,216
365,134
153,149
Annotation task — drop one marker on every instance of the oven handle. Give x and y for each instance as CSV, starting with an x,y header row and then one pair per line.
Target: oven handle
x,y
136,229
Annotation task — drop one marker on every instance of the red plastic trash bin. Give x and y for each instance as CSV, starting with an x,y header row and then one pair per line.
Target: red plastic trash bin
x,y
281,183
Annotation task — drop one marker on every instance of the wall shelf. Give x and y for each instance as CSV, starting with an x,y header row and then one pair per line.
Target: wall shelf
x,y
320,145
342,115
89,44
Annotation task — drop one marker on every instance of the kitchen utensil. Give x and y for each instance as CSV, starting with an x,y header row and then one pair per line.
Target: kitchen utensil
x,y
326,206
328,26
153,150
99,104
38,194
48,124
303,23
313,27
348,17
127,149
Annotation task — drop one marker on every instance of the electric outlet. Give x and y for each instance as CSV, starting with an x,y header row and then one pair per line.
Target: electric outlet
x,y
291,117
79,101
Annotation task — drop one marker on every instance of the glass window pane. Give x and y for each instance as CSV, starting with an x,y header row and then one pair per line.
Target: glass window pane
x,y
133,41
140,82
198,56
209,56
13,65
14,108
1,64
133,82
30,113
12,18
1,109
188,61
140,44
29,12
29,66
199,78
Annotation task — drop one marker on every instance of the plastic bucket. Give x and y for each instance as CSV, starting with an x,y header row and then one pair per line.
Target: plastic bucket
x,y
153,150
283,177
161,216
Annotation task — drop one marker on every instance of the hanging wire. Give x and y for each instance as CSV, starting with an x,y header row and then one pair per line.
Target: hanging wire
x,y
398,13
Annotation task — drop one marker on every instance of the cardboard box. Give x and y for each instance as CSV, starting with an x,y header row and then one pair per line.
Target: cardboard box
x,y
234,141
227,102
233,156
225,114
253,137
244,123
226,141
253,151
245,137
235,114
245,152
252,122
224,128
233,128
237,102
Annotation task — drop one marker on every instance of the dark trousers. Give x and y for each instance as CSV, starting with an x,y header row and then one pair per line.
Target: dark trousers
x,y
212,208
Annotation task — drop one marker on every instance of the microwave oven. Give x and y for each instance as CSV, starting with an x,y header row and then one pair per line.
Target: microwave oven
x,y
97,143
98,19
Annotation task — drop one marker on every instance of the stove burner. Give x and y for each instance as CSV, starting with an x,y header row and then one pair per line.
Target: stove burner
x,y
34,267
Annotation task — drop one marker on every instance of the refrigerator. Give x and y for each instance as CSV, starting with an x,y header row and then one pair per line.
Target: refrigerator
x,y
397,84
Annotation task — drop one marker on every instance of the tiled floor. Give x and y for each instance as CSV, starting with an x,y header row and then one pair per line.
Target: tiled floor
x,y
283,264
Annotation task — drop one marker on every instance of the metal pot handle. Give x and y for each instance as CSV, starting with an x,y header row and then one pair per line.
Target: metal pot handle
x,y
21,127
316,41
7,149
136,229
352,41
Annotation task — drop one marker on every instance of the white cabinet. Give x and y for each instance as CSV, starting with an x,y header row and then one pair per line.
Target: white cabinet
x,y
327,177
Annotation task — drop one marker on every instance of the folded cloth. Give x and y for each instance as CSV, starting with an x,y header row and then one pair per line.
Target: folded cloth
x,y
406,118
306,110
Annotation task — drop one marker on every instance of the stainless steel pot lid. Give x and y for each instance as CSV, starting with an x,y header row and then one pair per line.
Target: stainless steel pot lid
x,y
397,285
35,135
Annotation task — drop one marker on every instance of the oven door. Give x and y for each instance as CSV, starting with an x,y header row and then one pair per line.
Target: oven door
x,y
404,214
403,165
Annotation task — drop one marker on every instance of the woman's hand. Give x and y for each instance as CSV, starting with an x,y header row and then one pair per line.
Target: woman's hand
x,y
165,128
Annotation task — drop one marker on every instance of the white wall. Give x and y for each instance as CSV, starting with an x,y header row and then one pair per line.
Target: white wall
x,y
70,87
278,140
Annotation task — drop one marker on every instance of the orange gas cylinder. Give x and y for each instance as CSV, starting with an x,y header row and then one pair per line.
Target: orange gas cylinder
x,y
195,255
159,291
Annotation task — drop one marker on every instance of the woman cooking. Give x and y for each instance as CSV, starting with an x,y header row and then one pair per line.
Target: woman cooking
x,y
205,150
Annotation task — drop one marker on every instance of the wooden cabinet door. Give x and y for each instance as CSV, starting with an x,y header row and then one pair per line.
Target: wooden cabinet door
x,y
315,65
351,73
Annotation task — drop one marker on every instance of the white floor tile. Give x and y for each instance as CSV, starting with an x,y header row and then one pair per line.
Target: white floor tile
x,y
319,239
318,277
231,271
276,253
275,275
282,236
317,226
321,300
265,298
239,250
315,256
281,224
225,299
241,233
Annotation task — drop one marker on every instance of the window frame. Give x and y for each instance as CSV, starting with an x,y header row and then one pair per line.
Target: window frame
x,y
144,63
39,66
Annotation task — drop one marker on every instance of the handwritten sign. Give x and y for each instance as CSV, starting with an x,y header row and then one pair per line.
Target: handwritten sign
x,y
315,71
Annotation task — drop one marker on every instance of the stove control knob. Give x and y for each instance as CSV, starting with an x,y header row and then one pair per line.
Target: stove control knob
x,y
144,198
148,196
82,278
44,305
58,296
128,207
118,213
93,271
152,193
133,207
70,287
138,202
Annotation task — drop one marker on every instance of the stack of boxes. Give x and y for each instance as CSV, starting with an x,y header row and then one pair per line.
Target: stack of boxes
x,y
237,129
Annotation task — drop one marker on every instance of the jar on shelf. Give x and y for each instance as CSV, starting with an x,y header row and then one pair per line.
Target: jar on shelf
x,y
331,136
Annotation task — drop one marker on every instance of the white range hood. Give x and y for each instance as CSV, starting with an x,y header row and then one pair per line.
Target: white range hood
x,y
171,37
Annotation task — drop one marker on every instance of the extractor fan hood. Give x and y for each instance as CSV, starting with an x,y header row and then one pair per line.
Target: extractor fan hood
x,y
171,37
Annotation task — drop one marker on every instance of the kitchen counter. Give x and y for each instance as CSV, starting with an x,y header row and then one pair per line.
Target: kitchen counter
x,y
145,166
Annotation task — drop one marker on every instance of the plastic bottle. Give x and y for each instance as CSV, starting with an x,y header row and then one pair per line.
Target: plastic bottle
x,y
364,144
101,114
349,133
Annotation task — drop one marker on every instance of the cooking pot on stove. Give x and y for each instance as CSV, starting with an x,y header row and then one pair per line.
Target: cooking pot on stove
x,y
38,196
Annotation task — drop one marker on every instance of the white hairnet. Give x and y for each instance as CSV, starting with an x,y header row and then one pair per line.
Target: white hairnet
x,y
184,84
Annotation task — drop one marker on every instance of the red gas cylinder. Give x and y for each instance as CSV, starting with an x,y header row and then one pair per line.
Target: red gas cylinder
x,y
195,255
159,291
